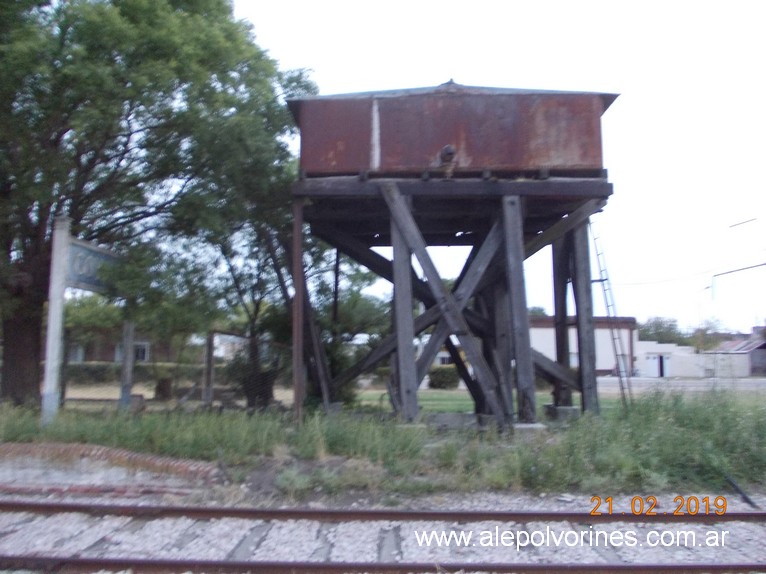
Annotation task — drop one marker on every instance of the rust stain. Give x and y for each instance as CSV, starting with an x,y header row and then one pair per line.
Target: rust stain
x,y
404,133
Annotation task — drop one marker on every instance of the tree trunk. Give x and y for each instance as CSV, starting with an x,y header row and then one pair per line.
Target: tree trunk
x,y
259,385
22,352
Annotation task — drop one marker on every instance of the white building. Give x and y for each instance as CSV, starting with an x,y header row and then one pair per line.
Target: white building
x,y
661,360
610,333
543,338
733,359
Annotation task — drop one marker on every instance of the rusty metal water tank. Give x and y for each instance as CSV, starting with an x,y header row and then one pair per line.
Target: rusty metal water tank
x,y
461,130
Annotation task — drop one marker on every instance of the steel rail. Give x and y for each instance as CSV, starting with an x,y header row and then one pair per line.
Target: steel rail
x,y
369,515
75,565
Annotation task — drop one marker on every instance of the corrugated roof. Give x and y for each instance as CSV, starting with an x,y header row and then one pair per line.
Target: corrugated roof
x,y
742,347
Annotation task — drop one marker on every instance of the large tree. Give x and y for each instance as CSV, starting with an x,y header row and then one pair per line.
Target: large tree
x,y
120,114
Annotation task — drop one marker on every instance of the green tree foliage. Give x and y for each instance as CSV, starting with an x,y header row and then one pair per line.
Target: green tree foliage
x,y
87,318
537,312
709,335
167,298
443,378
134,118
662,330
346,315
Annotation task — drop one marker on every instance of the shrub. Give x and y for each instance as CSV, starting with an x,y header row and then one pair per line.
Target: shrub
x,y
98,372
92,373
443,378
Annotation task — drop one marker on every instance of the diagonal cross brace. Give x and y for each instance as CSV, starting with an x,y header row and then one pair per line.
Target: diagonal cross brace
x,y
404,221
472,274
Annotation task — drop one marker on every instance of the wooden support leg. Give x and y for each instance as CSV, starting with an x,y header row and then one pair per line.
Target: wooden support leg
x,y
504,345
562,394
586,340
393,388
513,232
299,375
490,347
403,324
317,351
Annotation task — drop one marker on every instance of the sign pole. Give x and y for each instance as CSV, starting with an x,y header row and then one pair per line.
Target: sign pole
x,y
55,330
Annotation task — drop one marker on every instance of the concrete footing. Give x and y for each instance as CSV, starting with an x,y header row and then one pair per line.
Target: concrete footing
x,y
563,414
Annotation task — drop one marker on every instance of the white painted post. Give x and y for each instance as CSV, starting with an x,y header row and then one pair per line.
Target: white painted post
x,y
55,330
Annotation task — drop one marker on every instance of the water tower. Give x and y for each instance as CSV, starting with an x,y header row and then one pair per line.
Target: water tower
x,y
503,171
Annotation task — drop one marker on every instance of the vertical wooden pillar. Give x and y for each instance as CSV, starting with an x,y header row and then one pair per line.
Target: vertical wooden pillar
x,y
586,339
513,233
315,352
504,345
561,250
299,375
404,325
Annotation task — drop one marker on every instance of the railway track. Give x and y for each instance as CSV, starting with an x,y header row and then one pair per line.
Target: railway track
x,y
84,537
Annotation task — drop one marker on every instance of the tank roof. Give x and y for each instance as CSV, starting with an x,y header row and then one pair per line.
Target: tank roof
x,y
447,88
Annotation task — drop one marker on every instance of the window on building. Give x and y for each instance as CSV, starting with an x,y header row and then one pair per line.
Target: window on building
x,y
140,352
76,353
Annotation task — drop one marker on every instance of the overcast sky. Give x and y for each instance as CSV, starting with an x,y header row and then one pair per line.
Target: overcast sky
x,y
685,142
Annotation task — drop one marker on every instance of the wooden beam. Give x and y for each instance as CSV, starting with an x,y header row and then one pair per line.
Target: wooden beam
x,y
403,325
586,339
322,369
513,221
485,304
456,188
562,258
475,390
550,235
406,224
552,372
384,268
393,387
386,347
299,375
564,225
473,271
504,343
375,262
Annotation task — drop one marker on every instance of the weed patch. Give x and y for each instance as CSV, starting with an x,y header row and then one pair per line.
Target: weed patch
x,y
663,442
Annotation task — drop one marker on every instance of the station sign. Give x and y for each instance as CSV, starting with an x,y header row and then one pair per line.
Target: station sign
x,y
83,265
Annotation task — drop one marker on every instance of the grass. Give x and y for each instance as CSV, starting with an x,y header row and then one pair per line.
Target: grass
x,y
455,401
458,401
664,442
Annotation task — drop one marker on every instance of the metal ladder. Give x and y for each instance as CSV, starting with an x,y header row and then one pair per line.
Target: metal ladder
x,y
621,357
